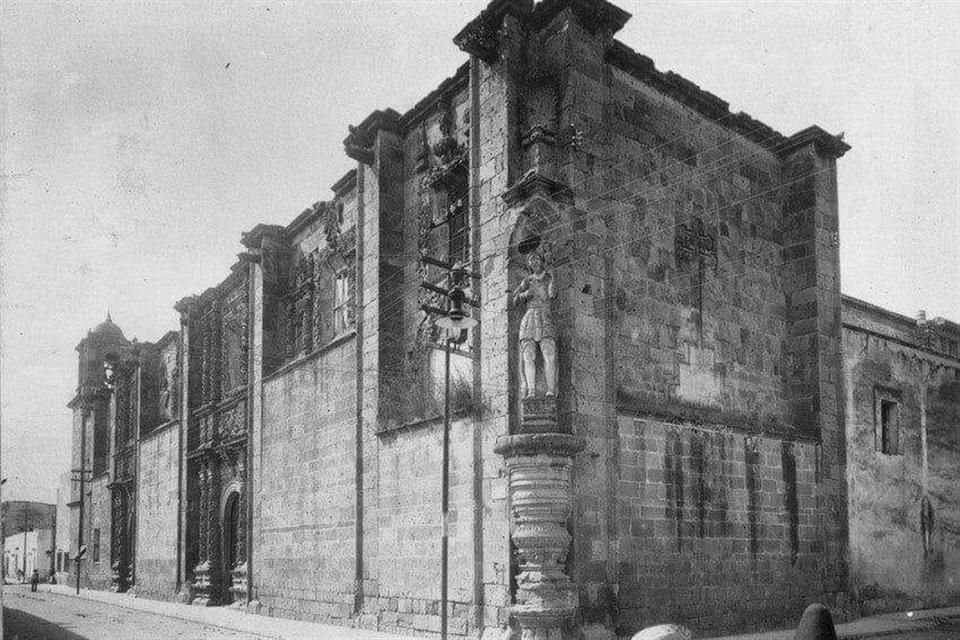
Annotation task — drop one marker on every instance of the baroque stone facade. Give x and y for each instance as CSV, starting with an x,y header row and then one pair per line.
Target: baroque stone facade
x,y
671,417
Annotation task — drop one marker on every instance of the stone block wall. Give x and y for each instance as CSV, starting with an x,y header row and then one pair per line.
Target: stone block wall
x,y
305,499
904,498
696,283
408,529
157,505
717,529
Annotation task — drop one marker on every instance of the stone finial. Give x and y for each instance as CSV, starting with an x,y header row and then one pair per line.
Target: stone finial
x,y
816,624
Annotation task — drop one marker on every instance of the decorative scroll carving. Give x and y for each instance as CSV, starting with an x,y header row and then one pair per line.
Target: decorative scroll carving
x,y
423,150
125,395
235,338
124,467
121,533
300,304
481,37
203,573
210,344
204,483
233,422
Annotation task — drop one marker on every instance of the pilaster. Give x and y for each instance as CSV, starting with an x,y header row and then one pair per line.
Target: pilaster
x,y
812,288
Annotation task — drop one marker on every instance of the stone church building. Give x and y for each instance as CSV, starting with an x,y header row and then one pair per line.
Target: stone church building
x,y
671,414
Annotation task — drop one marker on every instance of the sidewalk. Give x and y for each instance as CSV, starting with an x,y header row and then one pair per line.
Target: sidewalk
x,y
226,618
879,625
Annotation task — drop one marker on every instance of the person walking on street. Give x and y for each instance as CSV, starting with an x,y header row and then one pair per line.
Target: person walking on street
x,y
34,580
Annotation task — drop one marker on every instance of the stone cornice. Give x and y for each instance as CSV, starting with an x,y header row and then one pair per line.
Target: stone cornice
x,y
531,444
359,144
481,36
533,184
594,15
252,239
682,412
306,218
446,89
826,144
167,337
345,184
185,305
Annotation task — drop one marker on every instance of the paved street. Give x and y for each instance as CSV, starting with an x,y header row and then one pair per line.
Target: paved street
x,y
48,616
61,616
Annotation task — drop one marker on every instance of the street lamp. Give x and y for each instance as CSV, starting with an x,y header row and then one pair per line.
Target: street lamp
x,y
455,320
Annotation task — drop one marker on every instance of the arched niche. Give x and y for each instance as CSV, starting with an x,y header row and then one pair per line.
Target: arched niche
x,y
542,225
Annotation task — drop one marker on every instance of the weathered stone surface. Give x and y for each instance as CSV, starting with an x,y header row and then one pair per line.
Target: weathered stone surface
x,y
903,489
664,632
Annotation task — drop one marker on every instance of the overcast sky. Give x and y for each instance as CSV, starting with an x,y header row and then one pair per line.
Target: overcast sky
x,y
140,139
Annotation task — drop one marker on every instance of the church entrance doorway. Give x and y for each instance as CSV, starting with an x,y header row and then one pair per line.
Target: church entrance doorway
x,y
231,537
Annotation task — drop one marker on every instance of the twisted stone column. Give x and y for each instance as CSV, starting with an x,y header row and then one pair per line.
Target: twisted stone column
x,y
538,464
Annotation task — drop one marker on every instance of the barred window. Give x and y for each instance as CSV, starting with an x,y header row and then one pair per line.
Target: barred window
x,y
459,229
341,302
96,545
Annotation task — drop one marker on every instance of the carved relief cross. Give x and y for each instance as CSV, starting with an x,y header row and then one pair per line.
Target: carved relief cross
x,y
695,243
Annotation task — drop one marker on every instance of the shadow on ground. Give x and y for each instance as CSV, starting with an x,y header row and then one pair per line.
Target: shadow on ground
x,y
18,625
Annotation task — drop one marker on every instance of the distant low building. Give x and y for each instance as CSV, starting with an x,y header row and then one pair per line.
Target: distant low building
x,y
39,521
64,534
24,552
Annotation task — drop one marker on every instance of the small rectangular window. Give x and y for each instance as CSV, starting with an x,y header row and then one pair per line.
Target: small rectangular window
x,y
96,545
887,421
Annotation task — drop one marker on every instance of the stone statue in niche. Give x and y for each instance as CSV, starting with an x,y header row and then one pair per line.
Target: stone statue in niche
x,y
537,331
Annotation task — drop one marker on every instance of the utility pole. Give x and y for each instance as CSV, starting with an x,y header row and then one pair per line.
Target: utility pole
x,y
454,320
83,474
926,330
23,527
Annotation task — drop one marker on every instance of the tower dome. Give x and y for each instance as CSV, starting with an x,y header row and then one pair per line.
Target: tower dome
x,y
109,332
